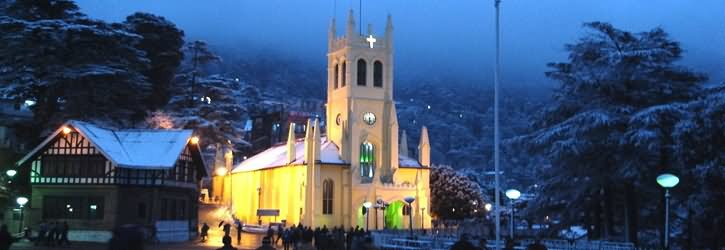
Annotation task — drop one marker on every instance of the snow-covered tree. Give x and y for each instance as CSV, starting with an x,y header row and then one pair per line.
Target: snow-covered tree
x,y
162,41
218,105
71,66
608,132
454,196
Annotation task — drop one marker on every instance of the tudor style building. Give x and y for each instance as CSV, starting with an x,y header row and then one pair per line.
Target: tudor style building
x,y
97,179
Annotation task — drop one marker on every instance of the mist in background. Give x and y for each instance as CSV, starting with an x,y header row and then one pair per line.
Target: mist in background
x,y
449,40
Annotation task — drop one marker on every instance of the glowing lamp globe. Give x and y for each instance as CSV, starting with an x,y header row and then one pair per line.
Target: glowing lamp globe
x,y
221,171
66,130
367,204
11,172
513,194
409,199
668,180
194,140
22,201
488,206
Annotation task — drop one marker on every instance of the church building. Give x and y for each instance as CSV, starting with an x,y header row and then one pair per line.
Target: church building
x,y
328,179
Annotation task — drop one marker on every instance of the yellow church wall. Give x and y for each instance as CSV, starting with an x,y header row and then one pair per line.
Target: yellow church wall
x,y
280,188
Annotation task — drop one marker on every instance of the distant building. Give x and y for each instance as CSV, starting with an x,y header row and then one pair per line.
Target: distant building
x,y
269,127
97,179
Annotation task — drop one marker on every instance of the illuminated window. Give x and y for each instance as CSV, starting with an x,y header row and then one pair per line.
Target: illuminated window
x,y
362,72
367,162
327,195
336,76
378,74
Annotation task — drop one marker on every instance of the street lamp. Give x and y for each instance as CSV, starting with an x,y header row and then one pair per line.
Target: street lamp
x,y
667,181
21,201
488,207
11,173
410,200
512,194
367,206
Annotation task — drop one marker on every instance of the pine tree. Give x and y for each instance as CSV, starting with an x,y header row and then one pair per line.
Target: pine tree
x,y
72,67
162,41
608,132
453,196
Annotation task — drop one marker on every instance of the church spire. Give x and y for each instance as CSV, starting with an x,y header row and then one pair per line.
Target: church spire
x,y
424,148
350,32
403,148
291,149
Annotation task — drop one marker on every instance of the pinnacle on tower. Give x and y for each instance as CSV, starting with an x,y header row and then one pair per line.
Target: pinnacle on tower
x,y
316,140
403,148
350,33
291,149
332,33
424,148
389,31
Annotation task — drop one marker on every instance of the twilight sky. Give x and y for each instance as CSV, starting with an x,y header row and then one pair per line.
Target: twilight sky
x,y
445,39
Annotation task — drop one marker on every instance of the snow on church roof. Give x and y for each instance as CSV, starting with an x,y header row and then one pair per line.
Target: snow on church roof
x,y
277,156
141,149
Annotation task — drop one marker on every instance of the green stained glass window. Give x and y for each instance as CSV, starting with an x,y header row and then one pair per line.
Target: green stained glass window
x,y
367,162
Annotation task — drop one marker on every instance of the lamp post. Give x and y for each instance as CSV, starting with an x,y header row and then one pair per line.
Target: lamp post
x,y
367,206
512,194
11,173
410,200
667,181
21,201
496,143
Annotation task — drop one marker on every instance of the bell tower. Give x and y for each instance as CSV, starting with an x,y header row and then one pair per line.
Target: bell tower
x,y
361,117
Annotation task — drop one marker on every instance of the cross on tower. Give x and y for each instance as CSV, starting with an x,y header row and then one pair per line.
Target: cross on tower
x,y
371,40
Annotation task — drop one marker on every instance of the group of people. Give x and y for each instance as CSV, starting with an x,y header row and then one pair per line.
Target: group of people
x,y
304,238
50,234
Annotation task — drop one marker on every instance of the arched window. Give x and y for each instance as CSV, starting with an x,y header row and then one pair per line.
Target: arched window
x,y
343,72
336,76
367,162
327,195
362,72
378,74
406,209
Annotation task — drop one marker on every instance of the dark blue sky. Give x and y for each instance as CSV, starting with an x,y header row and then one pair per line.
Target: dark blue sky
x,y
439,38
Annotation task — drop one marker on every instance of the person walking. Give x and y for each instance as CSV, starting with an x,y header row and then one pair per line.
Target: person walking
x,y
239,233
266,244
227,241
280,231
64,234
286,239
204,232
5,238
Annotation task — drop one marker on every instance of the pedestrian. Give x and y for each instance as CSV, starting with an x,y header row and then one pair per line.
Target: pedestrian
x,y
5,238
266,244
42,230
270,233
286,238
204,232
64,234
463,243
227,230
280,231
239,233
227,241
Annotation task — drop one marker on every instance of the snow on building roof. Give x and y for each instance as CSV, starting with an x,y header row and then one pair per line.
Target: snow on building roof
x,y
407,162
277,156
141,149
